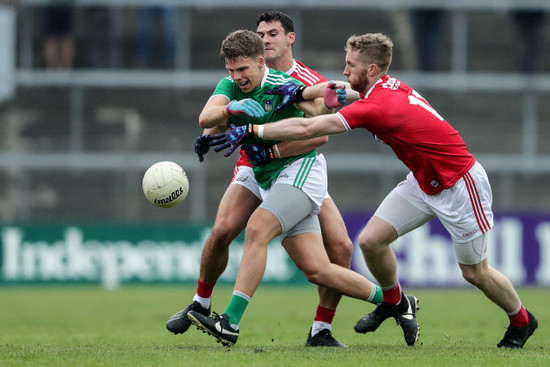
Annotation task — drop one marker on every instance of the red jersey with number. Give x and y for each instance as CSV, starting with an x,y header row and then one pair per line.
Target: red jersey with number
x,y
428,145
299,72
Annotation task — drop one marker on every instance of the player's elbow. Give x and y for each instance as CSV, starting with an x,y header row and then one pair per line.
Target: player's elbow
x,y
204,123
323,140
319,141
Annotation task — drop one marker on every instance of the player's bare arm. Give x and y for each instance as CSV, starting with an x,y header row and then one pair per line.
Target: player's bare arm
x,y
314,107
218,129
301,128
324,90
214,112
291,148
296,128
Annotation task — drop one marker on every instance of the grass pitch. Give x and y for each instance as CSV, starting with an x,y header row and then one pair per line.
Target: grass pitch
x,y
89,326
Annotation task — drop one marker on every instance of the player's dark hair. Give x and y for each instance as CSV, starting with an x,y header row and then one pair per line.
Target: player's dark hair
x,y
241,44
276,16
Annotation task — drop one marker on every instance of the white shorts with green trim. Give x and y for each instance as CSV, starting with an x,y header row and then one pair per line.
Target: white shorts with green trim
x,y
309,175
244,176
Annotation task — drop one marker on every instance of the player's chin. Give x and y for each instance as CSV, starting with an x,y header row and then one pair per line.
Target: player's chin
x,y
246,87
269,55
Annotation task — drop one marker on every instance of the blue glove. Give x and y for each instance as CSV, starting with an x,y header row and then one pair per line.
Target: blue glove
x,y
257,154
291,92
246,106
334,95
202,146
234,137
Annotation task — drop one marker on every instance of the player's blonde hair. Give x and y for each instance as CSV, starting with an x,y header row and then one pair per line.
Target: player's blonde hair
x,y
241,44
375,48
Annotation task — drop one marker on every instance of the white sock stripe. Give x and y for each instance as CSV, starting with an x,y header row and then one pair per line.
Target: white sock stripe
x,y
390,287
204,302
318,326
516,311
372,293
242,295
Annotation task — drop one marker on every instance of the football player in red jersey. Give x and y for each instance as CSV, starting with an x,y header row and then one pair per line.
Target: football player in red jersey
x,y
445,180
277,31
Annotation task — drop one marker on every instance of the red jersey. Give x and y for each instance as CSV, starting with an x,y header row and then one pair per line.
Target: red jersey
x,y
299,72
428,145
304,74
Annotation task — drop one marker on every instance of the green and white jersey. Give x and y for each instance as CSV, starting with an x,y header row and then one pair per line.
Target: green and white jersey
x,y
272,78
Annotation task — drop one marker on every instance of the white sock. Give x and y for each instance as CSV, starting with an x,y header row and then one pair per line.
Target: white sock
x,y
318,326
205,302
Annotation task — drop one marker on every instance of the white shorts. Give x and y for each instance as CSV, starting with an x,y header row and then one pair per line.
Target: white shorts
x,y
464,209
244,176
309,175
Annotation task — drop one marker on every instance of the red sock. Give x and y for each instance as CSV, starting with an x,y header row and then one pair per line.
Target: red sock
x,y
392,295
520,318
204,290
324,314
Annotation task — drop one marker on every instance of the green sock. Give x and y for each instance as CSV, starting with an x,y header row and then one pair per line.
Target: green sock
x,y
237,306
376,295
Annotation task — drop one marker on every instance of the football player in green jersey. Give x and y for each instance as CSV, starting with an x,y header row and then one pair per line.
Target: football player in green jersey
x,y
291,189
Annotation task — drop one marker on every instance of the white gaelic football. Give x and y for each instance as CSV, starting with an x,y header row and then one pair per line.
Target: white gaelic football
x,y
165,184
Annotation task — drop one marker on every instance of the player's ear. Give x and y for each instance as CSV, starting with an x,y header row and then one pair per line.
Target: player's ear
x,y
261,61
291,37
372,69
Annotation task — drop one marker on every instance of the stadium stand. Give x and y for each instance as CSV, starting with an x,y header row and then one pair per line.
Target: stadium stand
x,y
75,143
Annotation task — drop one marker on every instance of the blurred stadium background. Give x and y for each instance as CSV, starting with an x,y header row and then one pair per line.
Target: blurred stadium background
x,y
74,143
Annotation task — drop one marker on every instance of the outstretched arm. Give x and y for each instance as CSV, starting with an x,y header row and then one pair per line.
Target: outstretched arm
x,y
318,99
300,128
291,148
217,110
334,93
297,128
259,155
314,107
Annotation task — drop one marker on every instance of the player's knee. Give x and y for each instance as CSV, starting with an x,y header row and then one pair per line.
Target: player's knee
x,y
223,233
340,252
260,232
314,272
368,244
315,276
473,275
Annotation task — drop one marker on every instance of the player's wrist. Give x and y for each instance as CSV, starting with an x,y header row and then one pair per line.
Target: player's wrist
x,y
274,151
299,94
252,129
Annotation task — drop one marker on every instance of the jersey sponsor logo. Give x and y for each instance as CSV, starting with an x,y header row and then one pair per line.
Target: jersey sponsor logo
x,y
268,106
391,83
469,234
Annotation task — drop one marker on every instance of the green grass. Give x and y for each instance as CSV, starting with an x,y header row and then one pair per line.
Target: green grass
x,y
88,326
